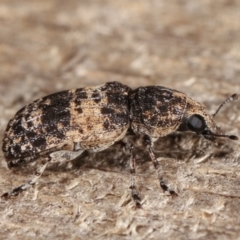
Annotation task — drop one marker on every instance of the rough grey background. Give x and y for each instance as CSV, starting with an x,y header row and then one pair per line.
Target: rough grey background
x,y
193,46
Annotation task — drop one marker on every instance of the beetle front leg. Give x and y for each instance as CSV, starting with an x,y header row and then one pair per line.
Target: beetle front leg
x,y
148,143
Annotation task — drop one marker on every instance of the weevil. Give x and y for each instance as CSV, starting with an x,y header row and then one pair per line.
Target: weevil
x,y
61,126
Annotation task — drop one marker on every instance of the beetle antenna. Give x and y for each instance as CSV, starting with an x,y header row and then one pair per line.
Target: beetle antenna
x,y
232,98
232,137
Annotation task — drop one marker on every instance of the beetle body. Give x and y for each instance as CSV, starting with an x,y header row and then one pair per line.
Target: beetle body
x,y
63,125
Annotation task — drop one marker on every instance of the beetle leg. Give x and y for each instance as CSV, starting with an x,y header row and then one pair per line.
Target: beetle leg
x,y
58,156
64,155
157,166
38,173
135,196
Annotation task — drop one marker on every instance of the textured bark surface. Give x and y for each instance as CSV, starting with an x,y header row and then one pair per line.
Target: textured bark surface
x,y
192,46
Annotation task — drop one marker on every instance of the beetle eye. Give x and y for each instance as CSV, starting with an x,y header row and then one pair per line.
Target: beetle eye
x,y
196,123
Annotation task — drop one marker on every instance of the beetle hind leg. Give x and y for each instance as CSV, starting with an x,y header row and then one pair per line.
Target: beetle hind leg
x,y
38,173
157,166
58,156
65,155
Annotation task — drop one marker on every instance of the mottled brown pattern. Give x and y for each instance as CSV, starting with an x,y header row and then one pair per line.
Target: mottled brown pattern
x,y
97,117
157,111
71,116
94,118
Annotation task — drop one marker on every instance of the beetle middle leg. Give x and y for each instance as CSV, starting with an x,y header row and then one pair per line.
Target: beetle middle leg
x,y
148,143
135,196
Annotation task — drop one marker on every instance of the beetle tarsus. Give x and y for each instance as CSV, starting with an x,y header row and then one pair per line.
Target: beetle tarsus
x,y
5,196
165,188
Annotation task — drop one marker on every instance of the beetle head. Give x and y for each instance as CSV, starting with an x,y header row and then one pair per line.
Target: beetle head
x,y
197,120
